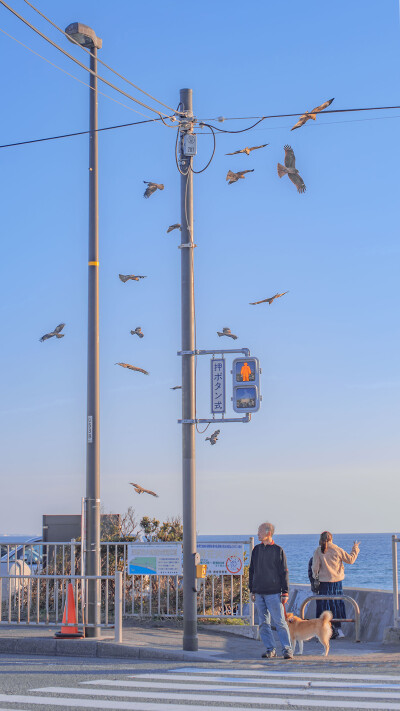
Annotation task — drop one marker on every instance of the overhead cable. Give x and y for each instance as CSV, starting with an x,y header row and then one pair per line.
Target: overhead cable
x,y
87,69
99,60
72,75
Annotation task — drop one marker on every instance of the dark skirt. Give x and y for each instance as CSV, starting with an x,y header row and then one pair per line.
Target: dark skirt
x,y
335,606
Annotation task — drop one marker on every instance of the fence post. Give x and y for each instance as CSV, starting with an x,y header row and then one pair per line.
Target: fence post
x,y
118,606
251,603
395,582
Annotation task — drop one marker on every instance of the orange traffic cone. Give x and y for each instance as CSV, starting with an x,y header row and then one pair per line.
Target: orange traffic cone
x,y
69,629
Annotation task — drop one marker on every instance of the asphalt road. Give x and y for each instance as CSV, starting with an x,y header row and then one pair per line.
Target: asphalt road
x,y
36,683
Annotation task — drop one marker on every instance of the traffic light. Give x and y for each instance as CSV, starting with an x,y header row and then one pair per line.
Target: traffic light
x,y
246,384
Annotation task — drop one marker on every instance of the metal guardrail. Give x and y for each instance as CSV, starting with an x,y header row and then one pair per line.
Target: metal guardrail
x,y
396,617
344,598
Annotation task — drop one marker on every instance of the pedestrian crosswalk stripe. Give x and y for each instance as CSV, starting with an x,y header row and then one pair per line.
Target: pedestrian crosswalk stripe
x,y
156,679
179,694
238,684
150,706
290,674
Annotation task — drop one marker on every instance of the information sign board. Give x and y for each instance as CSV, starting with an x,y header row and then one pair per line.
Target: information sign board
x,y
218,385
222,558
154,559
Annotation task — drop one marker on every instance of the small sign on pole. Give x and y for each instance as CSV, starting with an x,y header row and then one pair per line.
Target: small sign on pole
x,y
218,385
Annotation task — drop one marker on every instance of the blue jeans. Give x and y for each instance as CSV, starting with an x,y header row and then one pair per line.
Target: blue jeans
x,y
270,606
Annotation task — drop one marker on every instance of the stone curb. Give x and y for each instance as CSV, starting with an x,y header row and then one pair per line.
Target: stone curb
x,y
94,648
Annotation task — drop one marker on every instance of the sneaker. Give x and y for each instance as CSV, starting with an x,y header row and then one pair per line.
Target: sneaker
x,y
287,654
335,633
269,654
340,633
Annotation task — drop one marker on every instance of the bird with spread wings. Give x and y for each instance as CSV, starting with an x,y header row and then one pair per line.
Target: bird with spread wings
x,y
140,490
151,188
133,277
138,332
176,387
227,332
269,301
311,114
214,437
57,333
133,367
247,150
176,226
290,170
234,177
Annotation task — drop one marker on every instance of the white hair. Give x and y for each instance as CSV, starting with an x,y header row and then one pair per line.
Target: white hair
x,y
269,526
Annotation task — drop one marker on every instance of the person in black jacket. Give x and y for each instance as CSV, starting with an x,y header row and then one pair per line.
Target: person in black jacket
x,y
269,587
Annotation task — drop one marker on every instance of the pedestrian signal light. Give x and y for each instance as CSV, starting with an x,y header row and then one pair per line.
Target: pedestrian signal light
x,y
246,384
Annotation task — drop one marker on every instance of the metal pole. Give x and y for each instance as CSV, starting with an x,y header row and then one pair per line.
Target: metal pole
x,y
92,537
395,582
190,638
118,606
251,603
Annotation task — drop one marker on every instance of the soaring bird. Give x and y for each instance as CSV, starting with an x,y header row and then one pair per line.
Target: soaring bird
x,y
137,332
133,367
311,114
291,170
234,177
139,490
227,332
213,438
151,188
55,333
126,277
176,387
270,300
247,150
177,226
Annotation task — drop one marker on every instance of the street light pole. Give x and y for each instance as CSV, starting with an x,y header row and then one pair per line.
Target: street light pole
x,y
190,638
86,37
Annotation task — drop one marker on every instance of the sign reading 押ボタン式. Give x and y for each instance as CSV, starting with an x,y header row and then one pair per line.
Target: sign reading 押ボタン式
x,y
154,559
217,385
222,558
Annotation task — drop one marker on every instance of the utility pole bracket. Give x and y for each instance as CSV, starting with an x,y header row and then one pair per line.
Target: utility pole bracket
x,y
189,245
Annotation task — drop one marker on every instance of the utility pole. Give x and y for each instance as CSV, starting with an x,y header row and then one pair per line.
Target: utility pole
x,y
190,638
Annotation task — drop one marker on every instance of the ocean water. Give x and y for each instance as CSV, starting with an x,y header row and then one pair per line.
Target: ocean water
x,y
372,569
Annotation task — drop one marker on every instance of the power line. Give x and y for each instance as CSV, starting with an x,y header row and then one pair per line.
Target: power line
x,y
71,75
99,60
77,133
54,44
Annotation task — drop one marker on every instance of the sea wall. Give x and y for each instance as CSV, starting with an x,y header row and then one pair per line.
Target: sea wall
x,y
376,610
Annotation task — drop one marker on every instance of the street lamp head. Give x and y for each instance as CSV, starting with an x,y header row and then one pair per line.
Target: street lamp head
x,y
83,35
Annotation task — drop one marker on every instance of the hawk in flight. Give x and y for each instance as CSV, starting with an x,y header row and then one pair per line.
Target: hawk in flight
x,y
290,169
177,226
176,387
151,188
247,150
270,300
139,490
234,177
227,332
126,277
213,438
133,367
311,114
57,333
138,332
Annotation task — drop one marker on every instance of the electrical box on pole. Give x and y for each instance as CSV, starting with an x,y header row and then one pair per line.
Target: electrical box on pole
x,y
246,384
189,147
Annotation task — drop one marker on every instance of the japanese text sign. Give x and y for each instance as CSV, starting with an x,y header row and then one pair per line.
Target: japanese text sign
x,y
217,385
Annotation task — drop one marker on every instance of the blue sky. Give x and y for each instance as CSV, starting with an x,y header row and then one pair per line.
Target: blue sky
x,y
323,450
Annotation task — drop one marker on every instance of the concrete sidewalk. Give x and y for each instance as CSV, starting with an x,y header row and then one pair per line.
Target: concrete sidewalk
x,y
166,644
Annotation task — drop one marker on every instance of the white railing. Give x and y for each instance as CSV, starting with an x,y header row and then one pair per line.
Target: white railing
x,y
396,618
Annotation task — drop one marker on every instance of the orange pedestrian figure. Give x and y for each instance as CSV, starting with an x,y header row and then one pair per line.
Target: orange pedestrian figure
x,y
245,372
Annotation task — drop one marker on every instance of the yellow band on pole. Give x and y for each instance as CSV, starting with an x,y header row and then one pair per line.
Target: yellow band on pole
x,y
93,264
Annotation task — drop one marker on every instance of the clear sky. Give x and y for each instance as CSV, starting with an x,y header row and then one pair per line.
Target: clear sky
x,y
323,451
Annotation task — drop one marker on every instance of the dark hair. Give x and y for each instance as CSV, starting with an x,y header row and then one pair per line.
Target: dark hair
x,y
324,539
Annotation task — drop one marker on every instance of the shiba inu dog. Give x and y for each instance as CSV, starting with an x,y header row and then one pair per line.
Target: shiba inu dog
x,y
302,630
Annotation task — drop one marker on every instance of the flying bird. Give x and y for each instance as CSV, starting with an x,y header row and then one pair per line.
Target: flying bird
x,y
247,150
137,332
290,169
177,226
214,437
139,490
126,277
227,332
176,387
234,177
270,300
311,114
151,188
57,333
133,367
